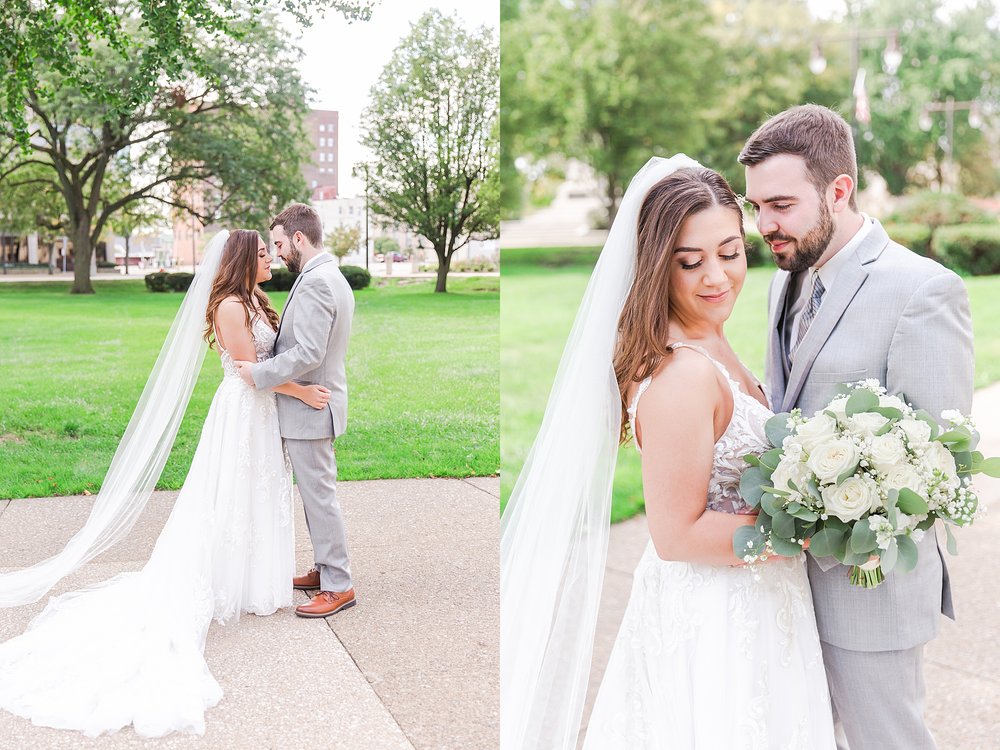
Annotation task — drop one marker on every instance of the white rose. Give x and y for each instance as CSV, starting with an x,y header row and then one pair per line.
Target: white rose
x,y
892,402
818,429
904,476
789,470
887,452
850,500
940,458
866,423
917,430
838,406
831,459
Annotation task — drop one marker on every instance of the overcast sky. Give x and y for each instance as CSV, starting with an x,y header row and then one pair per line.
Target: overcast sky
x,y
342,61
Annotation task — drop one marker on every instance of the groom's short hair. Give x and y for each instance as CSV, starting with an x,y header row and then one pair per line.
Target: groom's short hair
x,y
819,135
298,217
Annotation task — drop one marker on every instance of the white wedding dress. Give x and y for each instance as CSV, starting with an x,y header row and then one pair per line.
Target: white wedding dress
x,y
712,657
130,650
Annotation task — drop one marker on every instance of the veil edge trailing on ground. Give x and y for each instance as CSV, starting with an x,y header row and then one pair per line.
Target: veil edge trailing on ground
x,y
555,528
143,449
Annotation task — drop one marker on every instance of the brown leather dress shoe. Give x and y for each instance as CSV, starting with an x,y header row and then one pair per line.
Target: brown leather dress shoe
x,y
327,603
309,581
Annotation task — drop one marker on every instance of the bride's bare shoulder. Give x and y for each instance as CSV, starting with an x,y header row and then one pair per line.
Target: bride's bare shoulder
x,y
685,378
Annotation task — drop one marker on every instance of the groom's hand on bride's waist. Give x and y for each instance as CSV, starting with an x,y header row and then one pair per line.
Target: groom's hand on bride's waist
x,y
244,368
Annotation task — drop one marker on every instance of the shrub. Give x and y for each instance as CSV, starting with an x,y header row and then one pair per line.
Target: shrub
x,y
972,249
474,265
180,281
157,282
939,209
281,281
917,237
758,253
356,276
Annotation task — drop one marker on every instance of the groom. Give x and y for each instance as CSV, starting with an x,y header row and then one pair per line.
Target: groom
x,y
849,303
311,348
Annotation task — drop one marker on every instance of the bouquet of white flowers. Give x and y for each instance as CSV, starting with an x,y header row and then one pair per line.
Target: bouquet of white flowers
x,y
863,480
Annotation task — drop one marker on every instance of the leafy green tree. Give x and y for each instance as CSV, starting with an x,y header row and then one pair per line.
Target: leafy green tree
x,y
610,82
343,240
946,53
433,130
225,148
61,35
383,245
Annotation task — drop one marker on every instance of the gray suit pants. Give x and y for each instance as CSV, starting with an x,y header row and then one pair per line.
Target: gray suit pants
x,y
315,467
878,698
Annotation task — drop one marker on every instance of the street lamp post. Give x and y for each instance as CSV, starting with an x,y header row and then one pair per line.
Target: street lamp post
x,y
949,106
367,253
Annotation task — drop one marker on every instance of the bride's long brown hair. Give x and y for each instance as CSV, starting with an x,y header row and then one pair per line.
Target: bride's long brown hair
x,y
642,328
237,277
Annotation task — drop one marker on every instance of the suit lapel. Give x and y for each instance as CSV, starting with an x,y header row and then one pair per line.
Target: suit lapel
x,y
322,259
775,349
848,282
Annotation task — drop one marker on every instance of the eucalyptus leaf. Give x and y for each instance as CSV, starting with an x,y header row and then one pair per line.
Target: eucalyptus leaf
x,y
751,485
793,508
911,503
835,523
743,535
854,558
862,537
952,544
861,400
907,553
803,513
988,466
926,523
770,504
782,525
776,429
889,412
785,548
892,497
889,557
771,458
826,542
848,473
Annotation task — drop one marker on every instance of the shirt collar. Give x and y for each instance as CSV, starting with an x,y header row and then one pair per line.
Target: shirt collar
x,y
312,262
828,271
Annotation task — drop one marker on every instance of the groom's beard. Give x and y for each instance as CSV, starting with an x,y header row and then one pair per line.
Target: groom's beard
x,y
293,260
810,248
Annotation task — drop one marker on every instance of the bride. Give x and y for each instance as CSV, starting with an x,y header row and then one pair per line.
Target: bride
x,y
130,650
711,653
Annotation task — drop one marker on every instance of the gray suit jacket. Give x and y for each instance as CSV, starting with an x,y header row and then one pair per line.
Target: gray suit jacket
x,y
904,320
312,348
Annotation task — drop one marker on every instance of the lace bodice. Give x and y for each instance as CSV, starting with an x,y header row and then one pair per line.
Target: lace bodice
x,y
743,435
263,343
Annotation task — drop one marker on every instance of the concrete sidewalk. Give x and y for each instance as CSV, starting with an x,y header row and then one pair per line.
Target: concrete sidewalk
x,y
415,665
962,666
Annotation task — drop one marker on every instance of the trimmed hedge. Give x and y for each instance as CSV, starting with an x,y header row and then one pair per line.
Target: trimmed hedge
x,y
973,249
917,237
157,282
356,276
179,282
758,253
161,281
937,210
281,280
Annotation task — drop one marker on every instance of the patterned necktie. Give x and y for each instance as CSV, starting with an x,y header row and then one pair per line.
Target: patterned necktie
x,y
815,298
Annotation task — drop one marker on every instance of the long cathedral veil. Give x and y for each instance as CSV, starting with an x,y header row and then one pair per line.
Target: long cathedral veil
x,y
555,529
143,449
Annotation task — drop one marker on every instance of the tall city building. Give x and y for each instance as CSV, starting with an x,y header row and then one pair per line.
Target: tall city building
x,y
322,171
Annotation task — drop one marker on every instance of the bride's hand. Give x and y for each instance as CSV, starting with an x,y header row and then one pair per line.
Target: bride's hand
x,y
316,396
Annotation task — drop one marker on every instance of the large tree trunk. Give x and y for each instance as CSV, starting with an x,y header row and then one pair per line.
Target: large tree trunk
x,y
82,250
444,264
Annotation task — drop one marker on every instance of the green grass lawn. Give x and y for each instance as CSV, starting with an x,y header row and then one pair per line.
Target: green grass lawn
x,y
541,289
423,371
